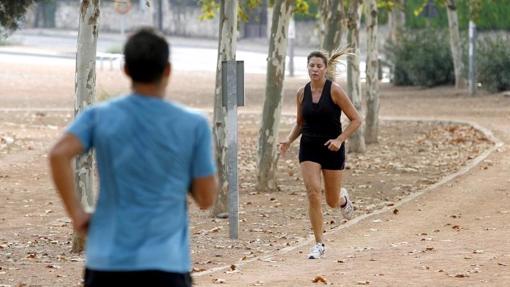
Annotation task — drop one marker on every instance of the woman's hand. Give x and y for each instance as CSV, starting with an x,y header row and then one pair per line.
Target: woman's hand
x,y
333,144
284,146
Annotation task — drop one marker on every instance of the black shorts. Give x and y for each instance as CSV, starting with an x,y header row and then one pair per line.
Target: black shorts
x,y
153,278
313,149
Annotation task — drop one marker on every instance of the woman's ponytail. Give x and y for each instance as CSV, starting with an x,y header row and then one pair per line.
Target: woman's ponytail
x,y
334,59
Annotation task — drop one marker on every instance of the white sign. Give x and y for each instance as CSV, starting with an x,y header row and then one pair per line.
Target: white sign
x,y
292,29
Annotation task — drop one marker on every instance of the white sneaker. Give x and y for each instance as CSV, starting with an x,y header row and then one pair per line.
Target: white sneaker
x,y
317,251
348,209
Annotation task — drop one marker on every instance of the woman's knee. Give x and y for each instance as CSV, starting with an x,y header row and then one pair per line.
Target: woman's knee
x,y
314,195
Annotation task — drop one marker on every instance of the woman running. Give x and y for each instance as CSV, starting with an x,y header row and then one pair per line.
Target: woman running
x,y
322,150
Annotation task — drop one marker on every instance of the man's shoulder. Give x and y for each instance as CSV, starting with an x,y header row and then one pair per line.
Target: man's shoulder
x,y
188,113
109,104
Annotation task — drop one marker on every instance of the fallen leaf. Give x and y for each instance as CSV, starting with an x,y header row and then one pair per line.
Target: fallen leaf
x,y
395,211
319,279
366,282
461,275
198,269
215,229
219,281
32,255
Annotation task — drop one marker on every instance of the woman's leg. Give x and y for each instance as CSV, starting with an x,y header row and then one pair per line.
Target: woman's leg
x,y
332,185
311,173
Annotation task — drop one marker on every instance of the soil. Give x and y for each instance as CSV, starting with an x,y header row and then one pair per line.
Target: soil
x,y
455,234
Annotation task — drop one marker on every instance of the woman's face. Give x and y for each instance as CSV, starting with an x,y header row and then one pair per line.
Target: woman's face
x,y
316,68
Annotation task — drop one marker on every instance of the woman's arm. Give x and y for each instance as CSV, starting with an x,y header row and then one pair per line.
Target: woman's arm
x,y
296,130
345,104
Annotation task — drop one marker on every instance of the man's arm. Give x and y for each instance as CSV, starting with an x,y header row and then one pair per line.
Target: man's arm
x,y
60,157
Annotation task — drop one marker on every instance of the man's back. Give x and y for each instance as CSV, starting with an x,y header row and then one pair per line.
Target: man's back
x,y
148,152
151,154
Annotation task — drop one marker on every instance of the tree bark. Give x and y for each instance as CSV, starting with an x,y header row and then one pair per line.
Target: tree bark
x,y
357,140
268,134
85,90
396,21
226,51
334,25
372,90
455,44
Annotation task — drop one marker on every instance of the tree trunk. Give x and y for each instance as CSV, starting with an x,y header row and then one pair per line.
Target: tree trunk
x,y
268,134
323,12
85,90
357,140
455,44
226,51
334,25
397,21
372,87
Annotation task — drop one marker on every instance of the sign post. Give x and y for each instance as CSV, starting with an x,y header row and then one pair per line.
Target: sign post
x,y
122,7
232,97
292,36
472,58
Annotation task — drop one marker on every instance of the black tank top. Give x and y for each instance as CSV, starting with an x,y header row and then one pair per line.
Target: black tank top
x,y
322,119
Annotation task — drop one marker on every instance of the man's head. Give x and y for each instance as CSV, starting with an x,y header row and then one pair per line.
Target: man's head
x,y
146,56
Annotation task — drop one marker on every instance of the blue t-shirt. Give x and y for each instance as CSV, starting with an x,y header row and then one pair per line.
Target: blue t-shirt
x,y
148,151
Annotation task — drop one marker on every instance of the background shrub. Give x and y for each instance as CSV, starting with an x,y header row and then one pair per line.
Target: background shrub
x,y
493,63
421,58
493,15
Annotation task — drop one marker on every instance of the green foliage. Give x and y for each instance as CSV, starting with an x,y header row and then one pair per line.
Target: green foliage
x,y
301,6
245,7
488,14
386,4
421,58
493,63
11,11
309,10
209,9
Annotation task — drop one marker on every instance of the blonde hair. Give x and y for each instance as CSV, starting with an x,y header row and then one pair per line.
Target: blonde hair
x,y
331,60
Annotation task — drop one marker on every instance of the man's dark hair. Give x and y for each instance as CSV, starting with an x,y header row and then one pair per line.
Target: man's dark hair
x,y
146,56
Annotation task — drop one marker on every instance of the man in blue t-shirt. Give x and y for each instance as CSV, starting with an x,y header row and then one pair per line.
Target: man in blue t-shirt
x,y
150,155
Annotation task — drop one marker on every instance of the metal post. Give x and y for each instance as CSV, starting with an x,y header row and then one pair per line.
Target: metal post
x,y
233,95
122,25
472,58
160,15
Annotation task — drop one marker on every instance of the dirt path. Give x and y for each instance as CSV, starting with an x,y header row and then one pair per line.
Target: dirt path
x,y
453,235
409,248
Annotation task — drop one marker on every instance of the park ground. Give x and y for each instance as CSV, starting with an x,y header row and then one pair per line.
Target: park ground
x,y
455,234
